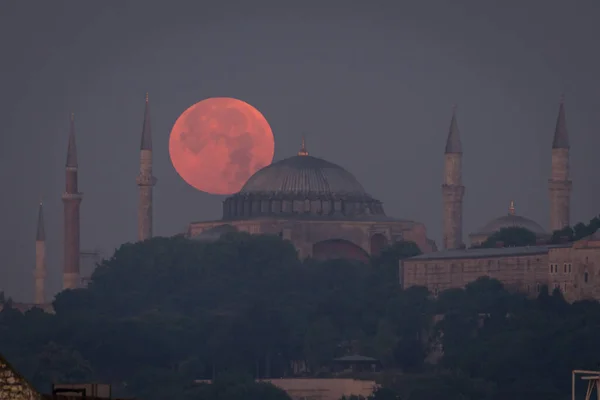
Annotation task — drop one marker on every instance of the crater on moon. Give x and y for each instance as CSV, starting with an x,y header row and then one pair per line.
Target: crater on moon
x,y
218,143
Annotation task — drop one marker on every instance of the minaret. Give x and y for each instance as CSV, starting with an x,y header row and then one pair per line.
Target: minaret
x,y
559,184
145,180
40,258
71,200
452,188
511,208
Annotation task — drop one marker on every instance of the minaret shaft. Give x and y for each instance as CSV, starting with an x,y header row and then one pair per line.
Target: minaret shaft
x,y
40,260
145,180
71,200
452,189
559,184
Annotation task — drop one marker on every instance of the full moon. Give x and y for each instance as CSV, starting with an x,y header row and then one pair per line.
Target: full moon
x,y
218,143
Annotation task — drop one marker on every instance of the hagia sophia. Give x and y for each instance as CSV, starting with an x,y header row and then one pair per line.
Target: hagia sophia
x,y
326,213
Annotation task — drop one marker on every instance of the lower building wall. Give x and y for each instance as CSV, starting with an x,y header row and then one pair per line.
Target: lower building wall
x,y
574,269
323,389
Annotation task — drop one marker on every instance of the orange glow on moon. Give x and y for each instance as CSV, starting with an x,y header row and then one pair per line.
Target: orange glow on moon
x,y
218,143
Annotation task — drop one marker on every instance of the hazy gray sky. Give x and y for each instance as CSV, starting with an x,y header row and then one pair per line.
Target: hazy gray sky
x,y
371,83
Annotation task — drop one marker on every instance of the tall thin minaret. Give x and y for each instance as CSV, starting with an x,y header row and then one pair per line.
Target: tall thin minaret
x,y
40,258
145,180
72,200
559,184
452,188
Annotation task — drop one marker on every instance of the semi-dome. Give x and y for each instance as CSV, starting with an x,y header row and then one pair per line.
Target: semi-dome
x,y
302,185
511,220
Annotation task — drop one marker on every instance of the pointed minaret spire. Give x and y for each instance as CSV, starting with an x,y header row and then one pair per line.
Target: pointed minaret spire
x,y
145,180
559,184
39,273
146,130
452,188
453,144
303,151
511,208
72,201
41,233
561,135
72,149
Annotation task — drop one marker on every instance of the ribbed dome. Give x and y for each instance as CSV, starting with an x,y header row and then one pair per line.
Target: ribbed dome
x,y
511,221
304,175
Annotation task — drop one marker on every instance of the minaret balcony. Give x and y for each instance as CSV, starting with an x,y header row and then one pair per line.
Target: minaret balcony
x,y
72,196
146,180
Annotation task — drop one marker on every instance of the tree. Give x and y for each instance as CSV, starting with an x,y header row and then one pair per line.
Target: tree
x,y
511,237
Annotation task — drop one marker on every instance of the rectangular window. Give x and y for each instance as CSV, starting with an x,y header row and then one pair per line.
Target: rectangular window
x,y
551,268
569,267
565,288
565,268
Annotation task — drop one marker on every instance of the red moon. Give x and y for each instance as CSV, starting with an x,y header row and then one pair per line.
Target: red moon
x,y
218,143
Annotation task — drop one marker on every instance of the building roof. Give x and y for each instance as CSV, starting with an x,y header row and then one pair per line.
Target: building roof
x,y
304,175
486,253
561,135
453,143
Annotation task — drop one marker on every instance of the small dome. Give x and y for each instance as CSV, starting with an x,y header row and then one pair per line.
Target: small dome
x,y
510,221
304,175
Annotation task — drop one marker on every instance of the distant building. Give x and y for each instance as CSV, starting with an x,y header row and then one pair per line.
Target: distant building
x,y
317,205
574,268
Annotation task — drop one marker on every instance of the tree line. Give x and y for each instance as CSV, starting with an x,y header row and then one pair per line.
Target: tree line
x,y
160,314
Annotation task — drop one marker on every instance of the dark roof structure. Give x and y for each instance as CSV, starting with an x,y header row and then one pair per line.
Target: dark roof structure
x,y
486,253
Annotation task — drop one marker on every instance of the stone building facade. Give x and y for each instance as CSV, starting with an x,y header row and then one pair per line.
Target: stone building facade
x,y
317,205
574,268
523,269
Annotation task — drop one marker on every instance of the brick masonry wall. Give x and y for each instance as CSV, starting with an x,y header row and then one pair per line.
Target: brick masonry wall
x,y
13,386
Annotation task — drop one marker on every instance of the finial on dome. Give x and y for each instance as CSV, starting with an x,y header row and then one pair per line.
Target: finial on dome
x,y
303,151
511,208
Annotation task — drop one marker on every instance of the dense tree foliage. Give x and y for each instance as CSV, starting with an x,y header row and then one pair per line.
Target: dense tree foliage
x,y
576,232
163,313
510,237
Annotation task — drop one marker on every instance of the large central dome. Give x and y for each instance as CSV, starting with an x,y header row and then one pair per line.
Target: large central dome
x,y
304,175
302,186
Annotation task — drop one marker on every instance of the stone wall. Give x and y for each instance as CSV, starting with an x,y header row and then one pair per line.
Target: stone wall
x,y
13,386
573,268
